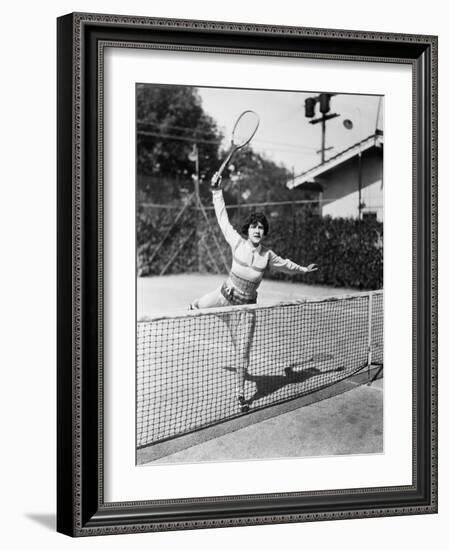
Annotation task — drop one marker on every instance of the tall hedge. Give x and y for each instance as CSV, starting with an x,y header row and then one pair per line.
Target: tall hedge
x,y
349,252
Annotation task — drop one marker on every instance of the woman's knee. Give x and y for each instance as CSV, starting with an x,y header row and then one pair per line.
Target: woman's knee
x,y
212,299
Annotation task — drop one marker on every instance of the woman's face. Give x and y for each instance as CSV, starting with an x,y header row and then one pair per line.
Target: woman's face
x,y
256,233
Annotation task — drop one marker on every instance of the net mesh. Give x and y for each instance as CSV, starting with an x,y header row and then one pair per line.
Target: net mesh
x,y
190,368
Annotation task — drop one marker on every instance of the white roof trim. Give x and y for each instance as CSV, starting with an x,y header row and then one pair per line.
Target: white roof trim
x,y
312,173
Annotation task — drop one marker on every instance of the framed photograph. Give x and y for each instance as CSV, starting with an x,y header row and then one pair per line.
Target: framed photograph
x,y
247,277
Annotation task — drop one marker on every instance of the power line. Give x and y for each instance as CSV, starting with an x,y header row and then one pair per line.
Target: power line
x,y
179,138
196,131
242,205
291,151
293,145
216,142
174,127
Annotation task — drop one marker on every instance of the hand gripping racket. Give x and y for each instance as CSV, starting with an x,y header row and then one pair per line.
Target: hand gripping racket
x,y
244,129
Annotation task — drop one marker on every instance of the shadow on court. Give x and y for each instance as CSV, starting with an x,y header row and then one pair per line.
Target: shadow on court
x,y
270,384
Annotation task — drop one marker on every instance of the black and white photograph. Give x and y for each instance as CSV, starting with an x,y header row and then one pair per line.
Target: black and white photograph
x,y
259,274
222,222
246,236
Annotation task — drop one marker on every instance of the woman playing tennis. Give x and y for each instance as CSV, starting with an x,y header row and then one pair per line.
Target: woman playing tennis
x,y
250,259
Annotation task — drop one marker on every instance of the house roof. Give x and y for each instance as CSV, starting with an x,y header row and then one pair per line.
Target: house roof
x,y
308,176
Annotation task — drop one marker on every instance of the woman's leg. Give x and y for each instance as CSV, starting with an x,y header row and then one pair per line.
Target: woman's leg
x,y
243,344
241,325
212,299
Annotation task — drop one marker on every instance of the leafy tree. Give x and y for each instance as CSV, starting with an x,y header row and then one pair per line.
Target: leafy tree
x,y
170,120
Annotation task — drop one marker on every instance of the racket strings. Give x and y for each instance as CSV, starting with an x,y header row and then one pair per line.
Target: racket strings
x,y
245,128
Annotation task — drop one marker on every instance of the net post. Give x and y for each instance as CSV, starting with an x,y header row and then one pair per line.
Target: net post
x,y
370,324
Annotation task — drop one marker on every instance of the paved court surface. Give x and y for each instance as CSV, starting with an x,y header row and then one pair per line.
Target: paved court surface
x,y
350,422
172,294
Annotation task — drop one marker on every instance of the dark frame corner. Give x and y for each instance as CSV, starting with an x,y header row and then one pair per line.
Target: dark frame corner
x,y
81,510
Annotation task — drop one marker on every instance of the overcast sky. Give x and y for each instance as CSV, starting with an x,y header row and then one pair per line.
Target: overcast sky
x,y
285,134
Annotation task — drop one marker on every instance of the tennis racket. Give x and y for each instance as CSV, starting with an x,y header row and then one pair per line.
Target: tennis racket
x,y
243,132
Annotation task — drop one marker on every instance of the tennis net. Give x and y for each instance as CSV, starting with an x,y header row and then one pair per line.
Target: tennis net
x,y
189,367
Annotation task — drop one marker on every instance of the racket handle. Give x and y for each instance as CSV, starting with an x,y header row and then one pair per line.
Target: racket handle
x,y
226,161
215,182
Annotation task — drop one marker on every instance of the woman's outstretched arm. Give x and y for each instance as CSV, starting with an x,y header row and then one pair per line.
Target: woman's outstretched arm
x,y
229,233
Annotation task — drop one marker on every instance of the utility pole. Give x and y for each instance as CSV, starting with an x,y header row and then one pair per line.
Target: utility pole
x,y
323,139
348,124
324,101
194,157
360,182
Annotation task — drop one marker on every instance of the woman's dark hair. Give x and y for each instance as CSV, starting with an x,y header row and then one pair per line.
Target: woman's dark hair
x,y
253,219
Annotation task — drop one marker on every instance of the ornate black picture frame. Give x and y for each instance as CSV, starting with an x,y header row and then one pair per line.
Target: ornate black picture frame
x,y
81,508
